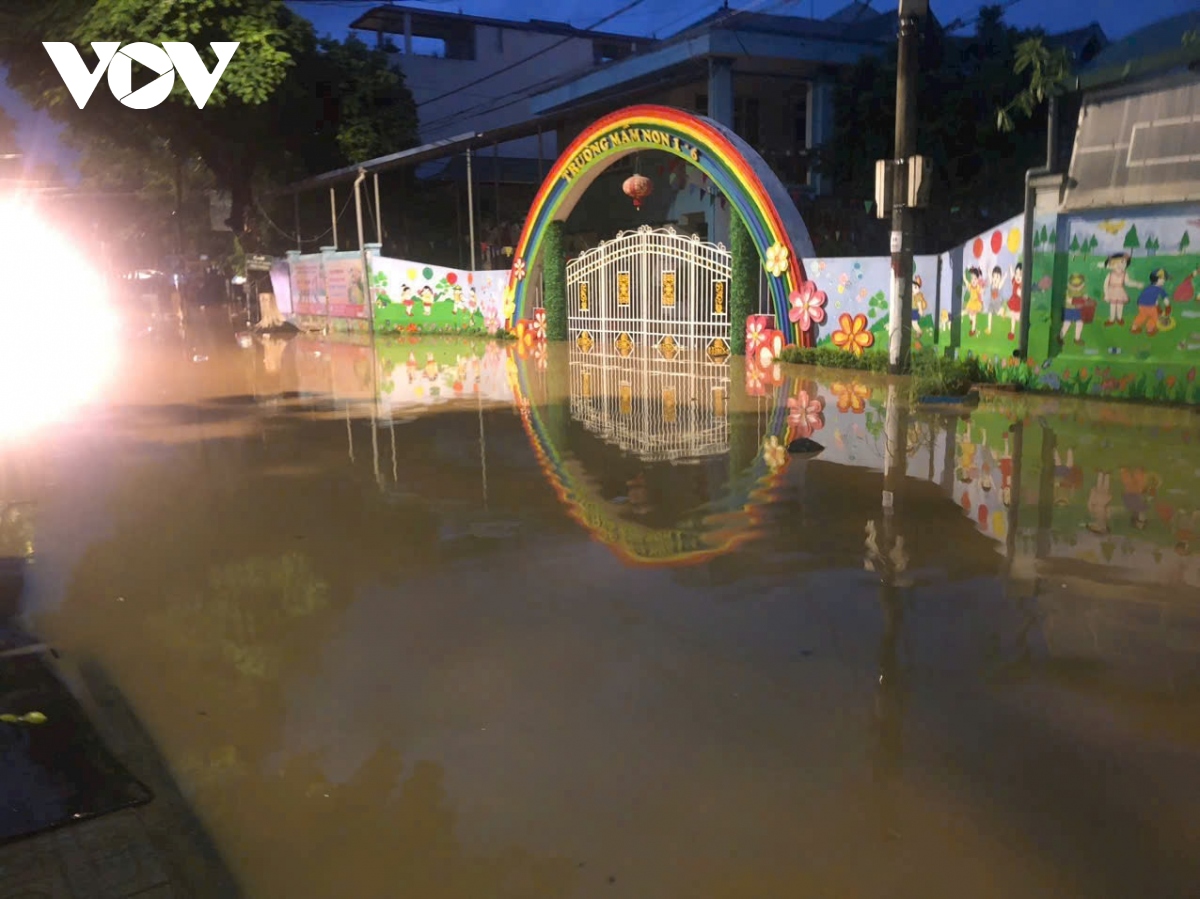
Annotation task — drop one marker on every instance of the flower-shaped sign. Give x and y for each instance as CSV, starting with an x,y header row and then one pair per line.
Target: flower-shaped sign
x,y
539,323
518,269
756,334
807,306
777,259
853,335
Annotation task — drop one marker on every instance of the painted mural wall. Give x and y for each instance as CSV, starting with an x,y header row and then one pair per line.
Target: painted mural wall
x,y
327,288
990,275
861,287
1125,308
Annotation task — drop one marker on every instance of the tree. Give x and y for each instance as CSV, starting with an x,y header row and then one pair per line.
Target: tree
x,y
287,103
1131,238
1075,245
978,167
1048,71
1092,244
1184,242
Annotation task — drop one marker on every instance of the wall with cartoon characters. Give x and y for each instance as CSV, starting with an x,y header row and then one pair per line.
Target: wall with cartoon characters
x,y
322,291
1115,309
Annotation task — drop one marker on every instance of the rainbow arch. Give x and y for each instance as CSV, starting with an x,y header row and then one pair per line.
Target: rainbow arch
x,y
745,179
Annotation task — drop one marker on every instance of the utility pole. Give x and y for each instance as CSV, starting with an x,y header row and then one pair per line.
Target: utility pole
x,y
912,16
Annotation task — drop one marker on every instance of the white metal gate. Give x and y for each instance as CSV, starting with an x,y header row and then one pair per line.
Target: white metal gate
x,y
651,289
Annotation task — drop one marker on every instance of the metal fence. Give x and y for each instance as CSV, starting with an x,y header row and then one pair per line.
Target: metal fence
x,y
651,289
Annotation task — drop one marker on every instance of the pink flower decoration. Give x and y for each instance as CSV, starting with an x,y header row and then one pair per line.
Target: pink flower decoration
x,y
756,334
807,306
539,323
518,269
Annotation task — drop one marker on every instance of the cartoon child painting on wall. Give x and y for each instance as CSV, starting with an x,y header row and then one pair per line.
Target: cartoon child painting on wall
x,y
427,299
1114,287
406,299
919,307
1154,306
1016,277
1188,289
973,283
995,298
1077,304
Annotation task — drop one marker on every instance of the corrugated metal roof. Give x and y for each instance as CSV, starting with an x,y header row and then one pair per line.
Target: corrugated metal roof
x,y
1139,148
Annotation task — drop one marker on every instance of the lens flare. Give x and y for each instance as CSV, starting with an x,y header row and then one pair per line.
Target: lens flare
x,y
57,328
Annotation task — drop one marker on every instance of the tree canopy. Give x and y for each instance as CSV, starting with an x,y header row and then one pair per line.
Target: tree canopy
x,y
288,104
978,165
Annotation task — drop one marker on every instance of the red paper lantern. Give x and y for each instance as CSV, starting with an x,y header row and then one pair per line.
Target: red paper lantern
x,y
637,188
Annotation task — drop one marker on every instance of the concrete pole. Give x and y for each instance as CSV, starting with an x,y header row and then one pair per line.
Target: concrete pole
x,y
296,213
362,249
912,13
470,209
378,215
333,213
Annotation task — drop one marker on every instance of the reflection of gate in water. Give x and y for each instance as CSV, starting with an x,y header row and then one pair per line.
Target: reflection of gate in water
x,y
652,289
660,410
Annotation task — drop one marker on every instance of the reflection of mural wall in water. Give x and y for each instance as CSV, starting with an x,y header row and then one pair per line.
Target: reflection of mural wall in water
x,y
1110,484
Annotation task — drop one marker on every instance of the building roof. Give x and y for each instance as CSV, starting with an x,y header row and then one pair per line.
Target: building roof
x,y
1157,49
1082,43
390,20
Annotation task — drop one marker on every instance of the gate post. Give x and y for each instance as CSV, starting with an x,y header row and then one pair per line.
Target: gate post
x,y
554,282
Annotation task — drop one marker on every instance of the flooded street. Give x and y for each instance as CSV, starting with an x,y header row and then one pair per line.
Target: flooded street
x,y
441,617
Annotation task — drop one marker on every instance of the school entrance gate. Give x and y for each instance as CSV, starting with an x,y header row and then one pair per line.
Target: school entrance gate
x,y
651,291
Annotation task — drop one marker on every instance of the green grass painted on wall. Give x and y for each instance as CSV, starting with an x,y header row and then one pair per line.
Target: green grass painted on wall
x,y
554,281
744,287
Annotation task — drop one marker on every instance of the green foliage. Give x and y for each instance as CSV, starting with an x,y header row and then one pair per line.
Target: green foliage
x,y
1131,238
936,375
977,166
833,357
743,288
1184,242
288,105
1047,70
554,281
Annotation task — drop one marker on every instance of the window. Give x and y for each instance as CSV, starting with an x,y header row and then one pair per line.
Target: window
x,y
801,119
450,40
701,104
745,118
609,51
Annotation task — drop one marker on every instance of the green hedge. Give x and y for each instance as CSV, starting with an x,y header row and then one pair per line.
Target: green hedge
x,y
743,291
832,357
554,281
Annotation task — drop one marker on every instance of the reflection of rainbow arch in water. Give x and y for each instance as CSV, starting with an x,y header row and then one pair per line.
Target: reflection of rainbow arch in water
x,y
734,521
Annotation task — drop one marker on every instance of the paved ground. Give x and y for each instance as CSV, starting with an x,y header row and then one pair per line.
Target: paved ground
x,y
158,851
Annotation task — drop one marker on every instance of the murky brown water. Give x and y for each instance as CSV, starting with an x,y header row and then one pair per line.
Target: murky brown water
x,y
450,619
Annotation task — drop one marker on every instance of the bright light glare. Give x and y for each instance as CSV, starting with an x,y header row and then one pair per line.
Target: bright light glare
x,y
57,329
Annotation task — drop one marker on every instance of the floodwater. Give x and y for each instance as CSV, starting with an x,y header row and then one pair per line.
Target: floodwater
x,y
449,618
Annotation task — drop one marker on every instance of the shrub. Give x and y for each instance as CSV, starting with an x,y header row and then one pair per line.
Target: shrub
x,y
937,375
832,357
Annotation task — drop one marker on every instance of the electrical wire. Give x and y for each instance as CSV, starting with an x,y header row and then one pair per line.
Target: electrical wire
x,y
511,100
520,62
296,238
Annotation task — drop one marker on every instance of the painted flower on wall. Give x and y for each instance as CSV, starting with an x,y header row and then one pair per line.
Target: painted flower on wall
x,y
777,259
539,324
853,336
774,453
518,269
807,306
851,397
806,414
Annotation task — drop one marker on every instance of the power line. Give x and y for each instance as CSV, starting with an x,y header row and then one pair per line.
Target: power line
x,y
520,62
483,108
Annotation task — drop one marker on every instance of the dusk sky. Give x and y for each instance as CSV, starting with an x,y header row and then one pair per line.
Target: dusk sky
x,y
38,136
